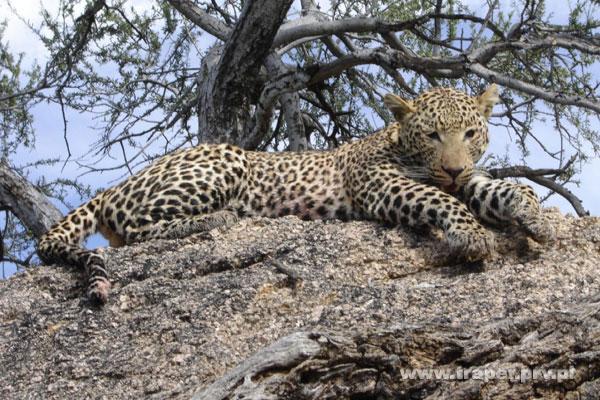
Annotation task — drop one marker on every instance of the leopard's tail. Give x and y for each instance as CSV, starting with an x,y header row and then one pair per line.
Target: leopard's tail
x,y
63,243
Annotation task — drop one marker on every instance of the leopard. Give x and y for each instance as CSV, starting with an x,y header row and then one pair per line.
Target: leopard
x,y
418,171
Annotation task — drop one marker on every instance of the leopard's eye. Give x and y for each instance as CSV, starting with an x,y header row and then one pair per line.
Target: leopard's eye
x,y
470,134
435,136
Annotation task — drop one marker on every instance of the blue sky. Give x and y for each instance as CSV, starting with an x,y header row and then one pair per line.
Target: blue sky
x,y
50,142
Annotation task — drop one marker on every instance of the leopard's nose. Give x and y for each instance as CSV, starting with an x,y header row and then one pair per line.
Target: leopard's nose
x,y
453,172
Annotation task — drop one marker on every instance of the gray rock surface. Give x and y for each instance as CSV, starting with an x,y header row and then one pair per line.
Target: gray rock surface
x,y
351,302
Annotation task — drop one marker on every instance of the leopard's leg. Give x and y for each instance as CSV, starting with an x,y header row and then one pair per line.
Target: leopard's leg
x,y
499,202
193,204
62,244
98,286
179,226
399,200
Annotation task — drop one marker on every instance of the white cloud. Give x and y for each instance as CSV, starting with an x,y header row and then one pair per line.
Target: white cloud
x,y
18,35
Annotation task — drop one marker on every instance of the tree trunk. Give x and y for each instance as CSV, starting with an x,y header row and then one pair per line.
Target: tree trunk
x,y
232,85
24,200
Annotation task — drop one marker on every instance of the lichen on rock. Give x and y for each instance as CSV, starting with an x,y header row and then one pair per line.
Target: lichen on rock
x,y
368,300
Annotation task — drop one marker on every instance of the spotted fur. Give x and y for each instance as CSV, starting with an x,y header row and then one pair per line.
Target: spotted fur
x,y
417,171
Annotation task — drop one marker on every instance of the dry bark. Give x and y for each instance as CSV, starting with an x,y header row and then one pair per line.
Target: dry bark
x,y
24,200
231,85
348,365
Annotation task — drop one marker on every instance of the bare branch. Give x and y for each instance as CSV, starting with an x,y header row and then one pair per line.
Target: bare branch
x,y
203,20
485,53
525,87
439,67
537,176
437,28
284,83
290,104
288,34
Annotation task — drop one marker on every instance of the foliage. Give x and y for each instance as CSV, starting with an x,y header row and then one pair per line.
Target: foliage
x,y
19,96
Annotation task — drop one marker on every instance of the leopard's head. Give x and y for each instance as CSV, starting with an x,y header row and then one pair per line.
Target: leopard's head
x,y
444,131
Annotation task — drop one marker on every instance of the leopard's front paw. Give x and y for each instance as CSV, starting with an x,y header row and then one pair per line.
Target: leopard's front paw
x,y
527,212
472,244
539,228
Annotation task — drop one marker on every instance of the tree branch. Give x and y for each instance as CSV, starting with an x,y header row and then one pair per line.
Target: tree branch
x,y
202,19
285,83
290,105
437,28
26,202
525,87
439,67
291,32
537,176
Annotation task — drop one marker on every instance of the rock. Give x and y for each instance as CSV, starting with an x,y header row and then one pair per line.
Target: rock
x,y
284,308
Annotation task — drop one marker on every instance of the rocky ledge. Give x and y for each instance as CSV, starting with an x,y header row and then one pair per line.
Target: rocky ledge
x,y
290,309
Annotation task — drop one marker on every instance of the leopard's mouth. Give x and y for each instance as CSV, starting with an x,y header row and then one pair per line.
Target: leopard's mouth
x,y
451,188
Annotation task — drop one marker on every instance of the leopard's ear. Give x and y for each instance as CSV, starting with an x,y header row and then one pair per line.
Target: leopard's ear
x,y
487,100
398,106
